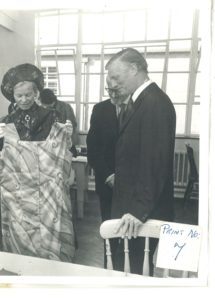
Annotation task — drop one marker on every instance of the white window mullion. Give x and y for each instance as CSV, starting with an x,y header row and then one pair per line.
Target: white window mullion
x,y
192,74
78,66
57,69
166,60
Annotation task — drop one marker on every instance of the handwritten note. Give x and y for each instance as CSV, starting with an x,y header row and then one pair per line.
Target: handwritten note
x,y
179,247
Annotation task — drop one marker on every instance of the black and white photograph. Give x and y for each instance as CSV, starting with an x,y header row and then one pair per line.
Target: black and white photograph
x,y
107,142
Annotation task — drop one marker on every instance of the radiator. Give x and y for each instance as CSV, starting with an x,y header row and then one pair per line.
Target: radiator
x,y
181,169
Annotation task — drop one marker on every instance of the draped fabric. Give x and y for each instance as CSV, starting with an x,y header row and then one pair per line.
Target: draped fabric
x,y
33,124
36,210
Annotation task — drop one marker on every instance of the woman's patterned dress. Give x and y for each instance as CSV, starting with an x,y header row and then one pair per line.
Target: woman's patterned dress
x,y
36,212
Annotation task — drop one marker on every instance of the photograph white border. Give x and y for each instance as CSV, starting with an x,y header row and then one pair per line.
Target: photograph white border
x,y
207,149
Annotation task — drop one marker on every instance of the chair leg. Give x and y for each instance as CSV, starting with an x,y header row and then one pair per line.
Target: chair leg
x,y
188,192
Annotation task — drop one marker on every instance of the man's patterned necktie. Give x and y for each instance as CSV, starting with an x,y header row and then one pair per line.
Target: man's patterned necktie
x,y
124,111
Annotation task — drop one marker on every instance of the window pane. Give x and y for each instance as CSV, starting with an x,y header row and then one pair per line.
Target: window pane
x,y
177,87
48,29
181,23
155,64
86,111
157,28
178,64
68,29
113,27
132,21
67,84
92,28
48,66
90,108
94,85
180,118
157,78
66,66
154,49
91,65
195,122
91,49
179,45
94,65
91,88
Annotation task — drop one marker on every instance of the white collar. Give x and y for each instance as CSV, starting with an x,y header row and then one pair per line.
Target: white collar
x,y
140,89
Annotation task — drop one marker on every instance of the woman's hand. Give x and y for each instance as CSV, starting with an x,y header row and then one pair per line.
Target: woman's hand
x,y
2,127
69,127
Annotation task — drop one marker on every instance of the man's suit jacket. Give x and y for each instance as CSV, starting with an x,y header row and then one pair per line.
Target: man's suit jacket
x,y
144,158
101,141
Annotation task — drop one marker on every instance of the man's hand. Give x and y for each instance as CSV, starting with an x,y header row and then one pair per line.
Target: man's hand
x,y
110,180
128,225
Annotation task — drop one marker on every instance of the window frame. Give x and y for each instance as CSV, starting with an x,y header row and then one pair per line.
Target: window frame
x,y
82,103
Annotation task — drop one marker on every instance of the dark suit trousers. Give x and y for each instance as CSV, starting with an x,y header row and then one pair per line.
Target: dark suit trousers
x,y
105,199
136,255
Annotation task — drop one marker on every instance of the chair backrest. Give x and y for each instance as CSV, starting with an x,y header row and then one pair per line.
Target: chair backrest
x,y
193,169
150,229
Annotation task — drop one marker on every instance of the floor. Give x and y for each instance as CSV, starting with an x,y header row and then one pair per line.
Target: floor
x,y
90,250
90,244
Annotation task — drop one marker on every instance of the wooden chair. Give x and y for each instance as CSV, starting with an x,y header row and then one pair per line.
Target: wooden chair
x,y
193,179
150,229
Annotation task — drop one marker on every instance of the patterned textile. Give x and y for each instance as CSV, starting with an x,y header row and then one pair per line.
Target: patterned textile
x,y
33,124
35,202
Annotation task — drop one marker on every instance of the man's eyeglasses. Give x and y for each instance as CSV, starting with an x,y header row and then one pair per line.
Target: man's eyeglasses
x,y
111,91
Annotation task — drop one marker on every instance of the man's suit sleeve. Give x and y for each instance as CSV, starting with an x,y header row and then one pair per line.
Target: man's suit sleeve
x,y
157,148
95,152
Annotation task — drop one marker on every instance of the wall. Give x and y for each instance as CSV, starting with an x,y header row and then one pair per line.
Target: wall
x,y
17,44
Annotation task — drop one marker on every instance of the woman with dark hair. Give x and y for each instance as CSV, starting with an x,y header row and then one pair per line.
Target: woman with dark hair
x,y
35,169
63,112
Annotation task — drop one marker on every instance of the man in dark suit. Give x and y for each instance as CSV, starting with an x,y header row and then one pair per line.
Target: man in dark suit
x,y
143,186
101,143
